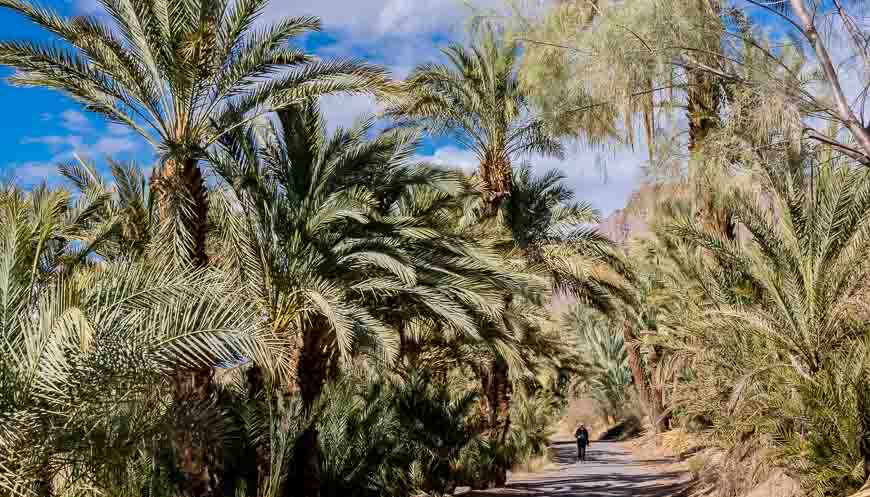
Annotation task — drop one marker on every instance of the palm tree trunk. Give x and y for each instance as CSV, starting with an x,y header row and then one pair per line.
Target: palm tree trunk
x,y
262,449
311,372
662,419
193,388
497,177
863,401
495,408
181,195
651,397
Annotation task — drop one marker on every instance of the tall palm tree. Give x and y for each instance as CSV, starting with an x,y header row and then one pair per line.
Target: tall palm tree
x,y
337,237
181,74
478,100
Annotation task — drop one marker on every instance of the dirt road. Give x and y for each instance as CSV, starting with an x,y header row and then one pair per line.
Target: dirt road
x,y
609,472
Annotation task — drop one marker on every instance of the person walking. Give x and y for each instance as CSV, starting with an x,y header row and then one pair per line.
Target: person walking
x,y
582,436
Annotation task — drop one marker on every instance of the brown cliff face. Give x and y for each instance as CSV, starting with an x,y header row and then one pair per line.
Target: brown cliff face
x,y
632,220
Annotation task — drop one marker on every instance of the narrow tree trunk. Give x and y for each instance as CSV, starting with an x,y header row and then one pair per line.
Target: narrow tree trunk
x,y
495,407
193,388
497,177
263,449
652,400
662,419
863,401
635,363
181,195
311,371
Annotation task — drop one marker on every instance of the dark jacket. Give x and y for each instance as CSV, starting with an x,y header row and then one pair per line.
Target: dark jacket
x,y
582,436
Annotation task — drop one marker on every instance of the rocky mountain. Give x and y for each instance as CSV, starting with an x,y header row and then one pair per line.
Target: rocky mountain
x,y
631,220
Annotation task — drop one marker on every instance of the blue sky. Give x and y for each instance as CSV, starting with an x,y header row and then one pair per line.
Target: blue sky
x,y
41,128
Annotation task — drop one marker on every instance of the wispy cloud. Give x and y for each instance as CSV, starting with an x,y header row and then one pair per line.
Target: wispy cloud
x,y
606,192
32,173
383,18
75,121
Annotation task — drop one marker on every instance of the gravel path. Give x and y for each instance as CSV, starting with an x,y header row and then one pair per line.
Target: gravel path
x,y
610,471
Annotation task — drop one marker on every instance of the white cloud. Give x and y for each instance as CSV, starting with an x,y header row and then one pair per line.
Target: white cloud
x,y
74,120
54,142
112,145
65,148
343,111
32,173
623,172
451,156
382,17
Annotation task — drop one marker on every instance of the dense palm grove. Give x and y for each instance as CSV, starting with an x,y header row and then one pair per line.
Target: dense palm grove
x,y
282,310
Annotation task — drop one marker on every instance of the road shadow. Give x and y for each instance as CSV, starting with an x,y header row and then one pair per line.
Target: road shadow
x,y
611,485
608,472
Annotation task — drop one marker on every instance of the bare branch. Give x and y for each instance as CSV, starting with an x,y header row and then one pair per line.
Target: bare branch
x,y
846,150
861,134
858,40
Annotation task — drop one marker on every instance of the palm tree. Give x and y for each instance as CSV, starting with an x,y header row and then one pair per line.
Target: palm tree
x,y
88,354
537,219
783,313
126,225
181,74
604,370
478,100
337,239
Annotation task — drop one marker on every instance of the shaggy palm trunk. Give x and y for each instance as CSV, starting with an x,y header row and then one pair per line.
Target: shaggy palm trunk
x,y
495,409
651,396
662,419
311,372
497,177
181,195
262,450
193,388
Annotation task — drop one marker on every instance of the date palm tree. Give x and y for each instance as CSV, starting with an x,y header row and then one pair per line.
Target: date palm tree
x,y
87,351
478,100
181,74
338,237
784,312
